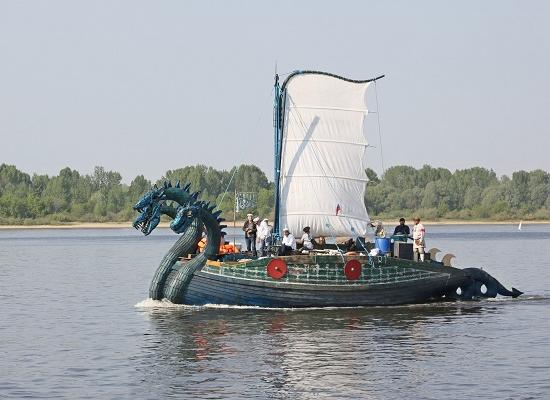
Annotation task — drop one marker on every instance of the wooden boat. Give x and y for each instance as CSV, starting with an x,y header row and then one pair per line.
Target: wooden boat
x,y
320,182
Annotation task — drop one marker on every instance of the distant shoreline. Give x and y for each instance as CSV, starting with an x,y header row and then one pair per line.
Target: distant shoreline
x,y
239,224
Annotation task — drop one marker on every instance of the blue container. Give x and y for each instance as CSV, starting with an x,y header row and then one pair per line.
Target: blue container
x,y
383,244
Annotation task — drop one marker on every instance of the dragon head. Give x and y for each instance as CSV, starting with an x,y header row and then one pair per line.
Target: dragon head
x,y
150,198
154,203
149,218
184,218
150,209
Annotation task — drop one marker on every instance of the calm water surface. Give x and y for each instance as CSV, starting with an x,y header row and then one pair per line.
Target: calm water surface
x,y
75,323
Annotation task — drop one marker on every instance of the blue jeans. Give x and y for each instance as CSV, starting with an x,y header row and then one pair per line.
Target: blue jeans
x,y
251,244
264,246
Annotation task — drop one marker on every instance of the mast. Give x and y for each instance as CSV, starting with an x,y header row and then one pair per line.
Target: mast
x,y
277,147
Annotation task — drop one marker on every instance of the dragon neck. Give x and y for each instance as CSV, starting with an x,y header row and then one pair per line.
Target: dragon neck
x,y
179,195
169,210
213,232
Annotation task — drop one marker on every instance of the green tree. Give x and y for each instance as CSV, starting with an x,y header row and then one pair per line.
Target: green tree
x,y
519,190
372,176
138,187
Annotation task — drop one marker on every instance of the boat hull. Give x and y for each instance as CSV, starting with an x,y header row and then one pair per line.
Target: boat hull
x,y
207,288
315,283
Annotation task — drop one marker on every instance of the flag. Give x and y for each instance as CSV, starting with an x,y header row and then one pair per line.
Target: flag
x,y
244,200
338,209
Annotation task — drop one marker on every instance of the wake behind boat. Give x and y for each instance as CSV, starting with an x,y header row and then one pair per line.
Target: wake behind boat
x,y
320,182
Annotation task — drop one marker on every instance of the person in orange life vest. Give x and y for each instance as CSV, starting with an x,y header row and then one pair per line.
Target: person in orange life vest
x,y
226,247
201,245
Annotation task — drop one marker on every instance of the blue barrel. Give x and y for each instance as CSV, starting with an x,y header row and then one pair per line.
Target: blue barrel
x,y
383,244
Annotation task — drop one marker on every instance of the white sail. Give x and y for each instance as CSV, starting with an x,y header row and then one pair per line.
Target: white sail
x,y
322,176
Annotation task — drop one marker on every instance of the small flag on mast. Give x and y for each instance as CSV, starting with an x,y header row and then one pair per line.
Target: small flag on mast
x,y
338,209
244,200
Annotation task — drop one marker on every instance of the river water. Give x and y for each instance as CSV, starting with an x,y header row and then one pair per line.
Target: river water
x,y
75,324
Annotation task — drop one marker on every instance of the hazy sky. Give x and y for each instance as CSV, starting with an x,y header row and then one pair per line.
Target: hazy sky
x,y
143,87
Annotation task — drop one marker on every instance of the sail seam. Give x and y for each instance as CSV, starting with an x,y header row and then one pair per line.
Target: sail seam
x,y
344,216
328,141
358,110
327,176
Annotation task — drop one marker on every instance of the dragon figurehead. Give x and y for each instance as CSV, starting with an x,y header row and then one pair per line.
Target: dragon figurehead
x,y
154,203
210,219
184,217
176,288
150,208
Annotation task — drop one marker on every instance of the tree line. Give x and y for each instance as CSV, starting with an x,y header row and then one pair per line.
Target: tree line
x,y
473,193
432,193
102,197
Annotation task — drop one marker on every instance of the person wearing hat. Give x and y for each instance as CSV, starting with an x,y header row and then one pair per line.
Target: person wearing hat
x,y
288,243
379,230
307,243
402,229
250,229
264,237
418,239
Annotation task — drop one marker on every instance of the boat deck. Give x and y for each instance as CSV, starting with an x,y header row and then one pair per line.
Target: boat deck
x,y
329,269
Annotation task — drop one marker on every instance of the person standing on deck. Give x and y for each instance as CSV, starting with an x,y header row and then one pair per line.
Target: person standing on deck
x,y
264,237
249,229
402,229
257,222
418,239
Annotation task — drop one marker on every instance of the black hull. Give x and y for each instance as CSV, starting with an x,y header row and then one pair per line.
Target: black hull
x,y
312,281
207,288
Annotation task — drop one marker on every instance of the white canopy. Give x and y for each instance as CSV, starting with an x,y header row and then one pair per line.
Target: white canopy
x,y
322,178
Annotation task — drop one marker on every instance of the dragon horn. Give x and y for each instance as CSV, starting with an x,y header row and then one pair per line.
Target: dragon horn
x,y
186,187
217,213
178,183
223,226
169,184
155,186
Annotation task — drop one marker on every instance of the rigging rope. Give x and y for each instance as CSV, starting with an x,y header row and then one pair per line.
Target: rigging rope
x,y
262,115
379,130
230,180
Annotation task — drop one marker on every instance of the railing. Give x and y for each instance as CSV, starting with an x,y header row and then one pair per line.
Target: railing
x,y
326,273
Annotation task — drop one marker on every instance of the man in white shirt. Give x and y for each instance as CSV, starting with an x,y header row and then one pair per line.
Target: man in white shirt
x,y
264,237
307,244
288,243
418,238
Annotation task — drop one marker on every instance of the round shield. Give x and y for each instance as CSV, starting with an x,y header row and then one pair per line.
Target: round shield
x,y
276,268
352,269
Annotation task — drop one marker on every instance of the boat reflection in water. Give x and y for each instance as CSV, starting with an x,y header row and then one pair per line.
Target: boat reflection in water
x,y
281,353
